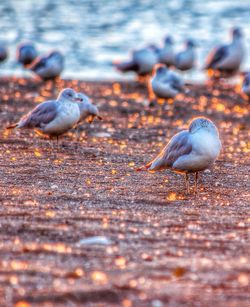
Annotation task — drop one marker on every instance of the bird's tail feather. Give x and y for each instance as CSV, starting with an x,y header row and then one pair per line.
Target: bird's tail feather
x,y
143,167
12,126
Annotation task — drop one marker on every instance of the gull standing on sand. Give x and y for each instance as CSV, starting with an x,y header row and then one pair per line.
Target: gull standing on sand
x,y
227,58
48,67
189,151
166,54
26,53
165,83
246,85
3,53
185,60
53,117
87,109
142,62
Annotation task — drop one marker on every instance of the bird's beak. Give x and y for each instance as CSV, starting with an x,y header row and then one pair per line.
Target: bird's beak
x,y
99,117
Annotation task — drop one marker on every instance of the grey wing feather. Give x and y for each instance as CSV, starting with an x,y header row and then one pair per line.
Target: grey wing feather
x,y
216,56
178,146
43,114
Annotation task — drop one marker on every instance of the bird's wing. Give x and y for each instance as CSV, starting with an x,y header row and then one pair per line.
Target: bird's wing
x,y
216,56
178,146
43,114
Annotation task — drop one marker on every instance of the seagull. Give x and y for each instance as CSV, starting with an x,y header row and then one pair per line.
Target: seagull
x,y
246,85
48,67
165,83
87,109
3,54
26,53
227,58
53,117
185,60
189,151
142,61
166,54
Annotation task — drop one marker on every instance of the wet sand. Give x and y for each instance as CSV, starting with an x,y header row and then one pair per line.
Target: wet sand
x,y
164,248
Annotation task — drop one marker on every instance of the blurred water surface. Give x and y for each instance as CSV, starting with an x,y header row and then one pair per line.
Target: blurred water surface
x,y
93,33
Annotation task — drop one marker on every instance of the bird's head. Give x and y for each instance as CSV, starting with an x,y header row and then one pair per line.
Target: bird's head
x,y
159,69
168,40
236,33
68,94
190,43
202,123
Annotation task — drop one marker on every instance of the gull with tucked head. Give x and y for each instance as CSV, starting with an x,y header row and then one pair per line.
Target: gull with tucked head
x,y
142,61
189,151
53,117
165,83
48,67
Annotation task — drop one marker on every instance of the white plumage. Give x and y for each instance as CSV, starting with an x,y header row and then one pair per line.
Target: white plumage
x,y
189,151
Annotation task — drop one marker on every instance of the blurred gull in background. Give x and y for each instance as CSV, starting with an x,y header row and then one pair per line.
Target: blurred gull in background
x,y
166,53
142,61
246,85
227,58
48,67
189,151
185,60
3,53
166,83
26,53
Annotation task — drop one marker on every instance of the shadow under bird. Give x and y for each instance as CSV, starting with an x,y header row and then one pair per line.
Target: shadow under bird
x,y
142,61
3,53
185,60
189,151
227,58
87,109
48,67
26,53
165,83
53,117
166,53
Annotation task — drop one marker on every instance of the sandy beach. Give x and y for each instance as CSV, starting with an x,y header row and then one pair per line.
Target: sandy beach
x,y
163,247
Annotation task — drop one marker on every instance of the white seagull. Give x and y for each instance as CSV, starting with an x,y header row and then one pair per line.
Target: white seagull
x,y
165,83
53,117
142,61
166,54
189,151
48,67
185,60
227,58
26,53
87,109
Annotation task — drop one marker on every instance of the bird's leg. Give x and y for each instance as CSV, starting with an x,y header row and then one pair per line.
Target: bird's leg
x,y
196,181
187,182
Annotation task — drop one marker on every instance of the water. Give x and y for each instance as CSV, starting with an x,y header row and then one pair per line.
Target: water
x,y
93,33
